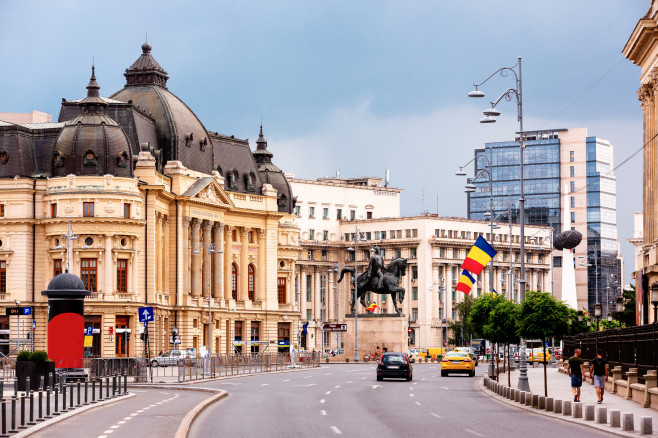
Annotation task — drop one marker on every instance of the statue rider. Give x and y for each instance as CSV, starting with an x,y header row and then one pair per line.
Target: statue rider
x,y
375,269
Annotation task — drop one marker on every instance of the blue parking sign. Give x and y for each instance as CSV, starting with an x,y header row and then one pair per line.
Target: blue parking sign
x,y
89,331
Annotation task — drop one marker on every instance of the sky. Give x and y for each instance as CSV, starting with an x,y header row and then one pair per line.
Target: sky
x,y
352,87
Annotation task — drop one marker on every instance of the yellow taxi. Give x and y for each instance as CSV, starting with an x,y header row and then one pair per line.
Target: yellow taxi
x,y
537,355
457,362
432,353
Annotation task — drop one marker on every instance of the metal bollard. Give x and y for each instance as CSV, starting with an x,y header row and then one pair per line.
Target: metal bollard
x,y
107,387
41,388
78,394
22,425
56,412
31,422
86,392
13,416
27,385
125,383
15,388
64,399
40,417
100,389
71,407
93,390
114,386
4,419
50,380
48,403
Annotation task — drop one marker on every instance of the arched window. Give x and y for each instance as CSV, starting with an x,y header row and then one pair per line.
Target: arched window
x,y
252,281
234,281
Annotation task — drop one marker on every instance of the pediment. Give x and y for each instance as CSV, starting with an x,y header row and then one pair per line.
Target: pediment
x,y
208,190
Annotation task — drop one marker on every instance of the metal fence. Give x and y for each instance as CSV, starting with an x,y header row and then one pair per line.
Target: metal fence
x,y
630,347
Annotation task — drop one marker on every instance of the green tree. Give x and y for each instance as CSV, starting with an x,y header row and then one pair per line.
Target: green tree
x,y
462,329
627,317
542,316
480,313
502,327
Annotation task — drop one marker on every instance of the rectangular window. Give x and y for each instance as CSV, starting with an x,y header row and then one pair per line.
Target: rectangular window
x,y
311,234
281,290
234,235
442,252
573,202
368,214
57,267
122,275
412,253
88,273
339,214
324,255
572,172
310,254
88,209
53,210
383,253
573,216
414,272
297,210
250,236
311,212
255,330
350,256
238,331
352,215
368,235
309,314
3,277
325,213
398,253
414,293
325,235
309,279
2,210
414,314
571,156
572,186
383,234
126,210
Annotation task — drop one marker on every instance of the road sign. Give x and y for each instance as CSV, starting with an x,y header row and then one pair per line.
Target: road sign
x,y
89,331
174,340
34,325
333,327
19,311
145,314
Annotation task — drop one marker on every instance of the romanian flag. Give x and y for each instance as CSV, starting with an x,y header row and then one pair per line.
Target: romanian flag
x,y
465,282
478,257
372,307
585,312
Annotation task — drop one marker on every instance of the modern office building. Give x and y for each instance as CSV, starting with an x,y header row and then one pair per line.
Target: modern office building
x,y
559,164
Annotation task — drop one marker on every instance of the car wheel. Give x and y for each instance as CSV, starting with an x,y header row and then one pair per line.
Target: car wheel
x,y
154,363
380,378
444,373
472,373
181,362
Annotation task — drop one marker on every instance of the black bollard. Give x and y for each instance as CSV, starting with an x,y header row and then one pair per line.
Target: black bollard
x,y
40,417
86,390
64,399
107,387
31,422
93,391
71,397
41,388
4,419
13,416
114,386
78,394
22,425
48,404
100,389
27,385
15,388
56,412
125,383
2,388
50,380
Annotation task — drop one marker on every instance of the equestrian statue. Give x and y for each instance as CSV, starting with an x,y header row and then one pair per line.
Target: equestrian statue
x,y
379,279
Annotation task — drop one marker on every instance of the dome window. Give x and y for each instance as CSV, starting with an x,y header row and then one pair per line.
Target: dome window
x,y
4,157
250,181
122,159
59,159
233,179
89,241
189,138
90,158
202,143
281,200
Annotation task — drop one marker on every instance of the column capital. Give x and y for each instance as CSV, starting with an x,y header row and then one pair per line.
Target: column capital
x,y
196,224
207,225
645,93
219,227
244,231
186,221
262,233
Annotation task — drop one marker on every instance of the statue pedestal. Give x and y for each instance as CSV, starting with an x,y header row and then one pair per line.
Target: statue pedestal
x,y
383,329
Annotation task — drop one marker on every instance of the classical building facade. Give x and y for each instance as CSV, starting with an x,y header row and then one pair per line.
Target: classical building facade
x,y
165,214
434,246
641,49
562,167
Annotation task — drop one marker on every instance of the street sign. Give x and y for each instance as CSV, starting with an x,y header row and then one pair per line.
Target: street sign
x,y
34,325
18,311
145,314
89,331
333,327
175,340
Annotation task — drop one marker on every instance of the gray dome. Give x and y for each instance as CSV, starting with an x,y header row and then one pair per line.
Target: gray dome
x,y
66,285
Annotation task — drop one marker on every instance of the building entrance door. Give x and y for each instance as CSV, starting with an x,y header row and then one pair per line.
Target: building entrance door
x,y
122,336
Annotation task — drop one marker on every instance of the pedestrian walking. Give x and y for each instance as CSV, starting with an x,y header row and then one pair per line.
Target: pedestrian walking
x,y
293,350
599,371
576,370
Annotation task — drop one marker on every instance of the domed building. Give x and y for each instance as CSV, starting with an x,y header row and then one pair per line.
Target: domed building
x,y
155,210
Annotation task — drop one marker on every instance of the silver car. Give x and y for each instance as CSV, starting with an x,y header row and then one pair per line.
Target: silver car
x,y
173,357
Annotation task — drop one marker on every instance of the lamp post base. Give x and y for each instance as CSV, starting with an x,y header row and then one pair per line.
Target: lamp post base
x,y
523,384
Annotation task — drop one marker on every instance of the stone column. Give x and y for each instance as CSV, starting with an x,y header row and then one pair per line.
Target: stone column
x,y
135,266
228,259
217,271
108,285
302,293
207,228
650,379
244,263
631,377
185,255
261,269
616,375
195,271
166,222
331,297
158,253
317,304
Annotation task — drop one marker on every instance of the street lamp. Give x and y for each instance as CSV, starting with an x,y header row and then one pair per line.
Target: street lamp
x,y
509,94
654,301
597,314
357,238
212,248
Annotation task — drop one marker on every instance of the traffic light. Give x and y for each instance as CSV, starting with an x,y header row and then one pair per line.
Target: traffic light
x,y
144,336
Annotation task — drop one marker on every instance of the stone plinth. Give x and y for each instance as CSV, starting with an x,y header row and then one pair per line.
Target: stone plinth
x,y
383,330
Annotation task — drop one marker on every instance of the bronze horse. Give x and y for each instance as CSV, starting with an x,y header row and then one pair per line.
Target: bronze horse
x,y
392,274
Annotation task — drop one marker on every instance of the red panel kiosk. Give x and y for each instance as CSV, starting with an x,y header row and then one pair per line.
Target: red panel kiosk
x,y
66,294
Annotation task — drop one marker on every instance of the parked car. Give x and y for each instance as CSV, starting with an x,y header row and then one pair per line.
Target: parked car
x,y
394,365
432,352
458,362
471,351
173,357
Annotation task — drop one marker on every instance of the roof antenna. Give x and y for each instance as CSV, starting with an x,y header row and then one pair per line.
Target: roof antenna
x,y
147,37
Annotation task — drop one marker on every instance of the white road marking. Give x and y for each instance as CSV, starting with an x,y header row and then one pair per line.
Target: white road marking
x,y
109,431
415,383
328,392
422,379
435,415
152,406
136,390
411,388
474,432
411,395
444,387
375,386
322,401
229,383
349,381
418,403
363,378
336,430
134,415
308,377
128,418
114,427
323,412
434,375
287,380
308,385
265,384
336,387
102,436
121,422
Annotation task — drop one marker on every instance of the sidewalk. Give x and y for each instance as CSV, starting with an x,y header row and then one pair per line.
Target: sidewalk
x,y
559,388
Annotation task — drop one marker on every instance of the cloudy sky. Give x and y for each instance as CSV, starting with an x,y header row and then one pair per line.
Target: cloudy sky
x,y
356,87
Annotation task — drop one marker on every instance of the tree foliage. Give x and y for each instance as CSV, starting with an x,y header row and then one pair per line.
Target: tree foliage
x,y
462,327
481,312
627,317
543,316
502,327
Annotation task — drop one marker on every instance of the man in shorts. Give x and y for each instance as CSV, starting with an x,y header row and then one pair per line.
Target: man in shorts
x,y
599,372
576,370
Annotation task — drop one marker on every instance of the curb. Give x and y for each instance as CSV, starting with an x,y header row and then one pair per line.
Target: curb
x,y
67,415
561,417
186,424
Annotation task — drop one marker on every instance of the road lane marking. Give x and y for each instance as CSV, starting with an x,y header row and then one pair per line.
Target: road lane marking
x,y
337,386
411,395
375,386
322,401
336,430
134,415
121,422
349,381
363,378
415,383
418,403
287,380
328,392
474,432
435,415
128,418
323,412
422,379
444,387
116,426
109,431
308,377
264,384
411,388
102,436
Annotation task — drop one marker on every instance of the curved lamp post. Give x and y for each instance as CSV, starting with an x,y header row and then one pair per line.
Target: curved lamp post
x,y
212,248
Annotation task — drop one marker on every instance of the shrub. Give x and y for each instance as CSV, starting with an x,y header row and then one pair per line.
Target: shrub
x,y
23,356
39,356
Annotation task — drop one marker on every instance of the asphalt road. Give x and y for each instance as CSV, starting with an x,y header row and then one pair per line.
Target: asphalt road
x,y
152,413
347,400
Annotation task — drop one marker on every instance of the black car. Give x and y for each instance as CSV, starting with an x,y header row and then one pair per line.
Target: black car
x,y
394,365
